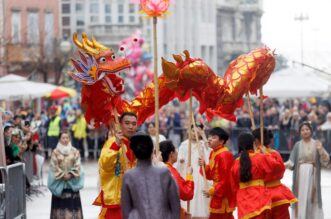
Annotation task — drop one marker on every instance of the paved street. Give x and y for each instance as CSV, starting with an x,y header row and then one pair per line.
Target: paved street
x,y
39,207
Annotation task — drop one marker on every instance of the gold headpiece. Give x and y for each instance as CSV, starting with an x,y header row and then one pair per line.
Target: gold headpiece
x,y
92,47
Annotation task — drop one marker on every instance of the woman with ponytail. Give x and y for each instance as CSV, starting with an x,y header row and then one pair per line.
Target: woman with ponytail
x,y
248,180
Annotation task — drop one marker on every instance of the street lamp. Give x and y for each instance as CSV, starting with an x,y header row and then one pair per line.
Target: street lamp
x,y
65,48
301,18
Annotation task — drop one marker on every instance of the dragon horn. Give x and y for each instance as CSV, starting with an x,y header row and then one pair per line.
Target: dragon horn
x,y
85,38
98,45
178,58
76,41
89,49
187,54
169,69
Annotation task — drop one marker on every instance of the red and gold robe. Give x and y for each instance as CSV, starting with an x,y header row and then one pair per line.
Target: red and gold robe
x,y
281,196
112,165
186,187
253,198
219,170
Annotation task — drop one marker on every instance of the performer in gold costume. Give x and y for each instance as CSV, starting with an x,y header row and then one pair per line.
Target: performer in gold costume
x,y
116,157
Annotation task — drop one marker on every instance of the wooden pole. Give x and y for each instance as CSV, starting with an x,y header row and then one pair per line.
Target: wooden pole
x,y
189,159
250,110
156,86
261,117
200,153
117,128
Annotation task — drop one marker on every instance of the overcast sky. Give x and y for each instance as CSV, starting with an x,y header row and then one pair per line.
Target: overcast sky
x,y
280,31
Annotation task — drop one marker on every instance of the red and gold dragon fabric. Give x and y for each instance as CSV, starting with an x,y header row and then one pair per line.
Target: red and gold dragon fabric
x,y
99,70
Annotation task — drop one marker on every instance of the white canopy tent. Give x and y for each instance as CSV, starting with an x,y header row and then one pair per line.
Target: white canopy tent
x,y
14,87
296,82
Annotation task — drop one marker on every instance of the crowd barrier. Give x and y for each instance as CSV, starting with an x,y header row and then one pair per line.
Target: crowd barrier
x,y
284,140
12,192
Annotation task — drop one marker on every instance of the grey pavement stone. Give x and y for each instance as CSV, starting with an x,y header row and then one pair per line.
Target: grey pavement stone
x,y
39,207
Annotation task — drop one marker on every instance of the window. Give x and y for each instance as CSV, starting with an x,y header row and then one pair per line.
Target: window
x,y
94,19
16,27
165,48
248,1
132,19
65,8
254,30
79,8
66,33
203,11
80,21
120,8
203,52
131,8
107,8
94,8
49,23
33,28
120,19
65,21
108,19
227,28
80,31
211,56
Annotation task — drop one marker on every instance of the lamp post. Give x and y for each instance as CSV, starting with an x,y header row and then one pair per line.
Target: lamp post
x,y
301,18
65,48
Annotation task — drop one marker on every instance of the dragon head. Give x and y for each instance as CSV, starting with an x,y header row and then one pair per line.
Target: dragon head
x,y
99,63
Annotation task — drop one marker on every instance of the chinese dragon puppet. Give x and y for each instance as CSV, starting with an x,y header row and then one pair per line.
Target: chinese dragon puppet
x,y
99,70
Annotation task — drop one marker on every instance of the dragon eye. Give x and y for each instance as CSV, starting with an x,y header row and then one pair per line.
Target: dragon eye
x,y
113,57
102,59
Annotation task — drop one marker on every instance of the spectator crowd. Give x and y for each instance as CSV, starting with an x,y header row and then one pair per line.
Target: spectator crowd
x,y
29,135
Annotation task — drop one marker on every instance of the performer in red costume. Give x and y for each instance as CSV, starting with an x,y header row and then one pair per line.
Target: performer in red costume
x,y
218,170
186,186
248,176
281,196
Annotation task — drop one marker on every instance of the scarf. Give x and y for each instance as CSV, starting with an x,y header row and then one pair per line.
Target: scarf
x,y
64,149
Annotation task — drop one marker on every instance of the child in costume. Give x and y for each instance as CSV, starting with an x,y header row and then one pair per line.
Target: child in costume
x,y
186,186
218,170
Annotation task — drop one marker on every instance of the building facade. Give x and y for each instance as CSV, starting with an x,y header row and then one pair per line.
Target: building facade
x,y
238,29
2,48
30,31
191,25
214,30
109,21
